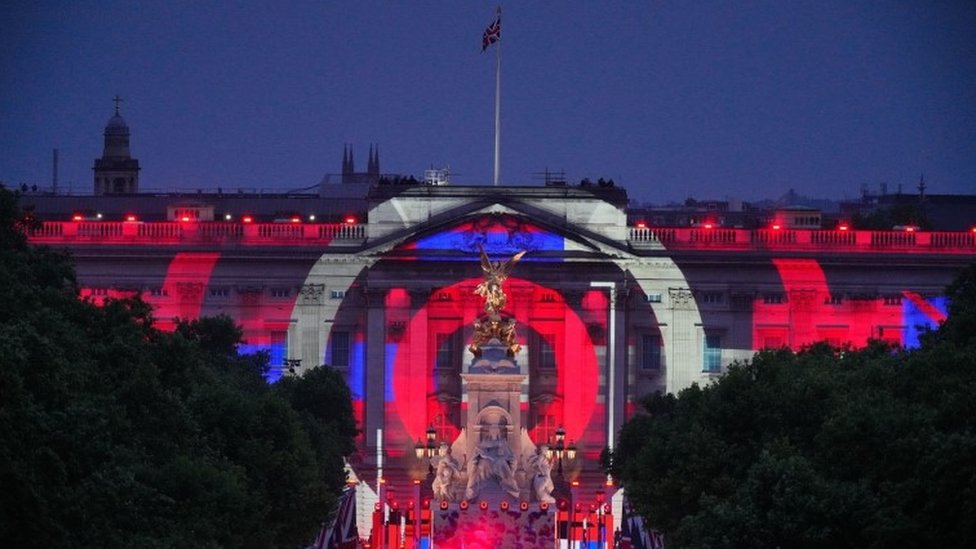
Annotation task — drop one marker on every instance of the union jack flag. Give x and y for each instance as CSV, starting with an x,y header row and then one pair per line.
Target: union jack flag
x,y
492,34
343,533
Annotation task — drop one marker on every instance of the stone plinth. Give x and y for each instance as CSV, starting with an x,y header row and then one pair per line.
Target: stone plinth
x,y
494,527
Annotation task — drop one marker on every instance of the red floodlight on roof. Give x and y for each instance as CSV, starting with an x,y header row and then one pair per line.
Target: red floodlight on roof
x,y
79,217
641,225
777,227
843,227
296,219
247,219
130,218
708,225
910,229
350,220
185,219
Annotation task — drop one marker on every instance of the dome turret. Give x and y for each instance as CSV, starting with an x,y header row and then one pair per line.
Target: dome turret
x,y
116,171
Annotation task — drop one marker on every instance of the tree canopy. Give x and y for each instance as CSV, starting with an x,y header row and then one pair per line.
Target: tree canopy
x,y
824,447
115,434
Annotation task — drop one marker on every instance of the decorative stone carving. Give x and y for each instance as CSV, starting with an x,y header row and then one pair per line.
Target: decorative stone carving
x,y
396,329
189,290
802,299
374,297
681,298
250,295
311,294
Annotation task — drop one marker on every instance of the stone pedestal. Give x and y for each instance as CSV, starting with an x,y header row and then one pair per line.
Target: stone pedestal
x,y
494,527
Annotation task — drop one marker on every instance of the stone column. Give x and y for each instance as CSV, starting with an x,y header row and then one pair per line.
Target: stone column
x,y
375,397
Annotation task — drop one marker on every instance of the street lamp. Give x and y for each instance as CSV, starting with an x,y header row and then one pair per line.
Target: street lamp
x,y
560,449
427,449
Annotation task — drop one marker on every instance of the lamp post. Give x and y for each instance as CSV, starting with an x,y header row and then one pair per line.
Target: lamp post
x,y
560,450
427,449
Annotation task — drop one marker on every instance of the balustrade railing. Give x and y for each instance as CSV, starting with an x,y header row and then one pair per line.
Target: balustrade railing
x,y
696,238
139,233
339,234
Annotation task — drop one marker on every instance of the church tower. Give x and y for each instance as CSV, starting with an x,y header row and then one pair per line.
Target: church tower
x,y
116,172
348,164
373,169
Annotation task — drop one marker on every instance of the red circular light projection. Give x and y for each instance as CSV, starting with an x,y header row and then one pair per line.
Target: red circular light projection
x,y
577,369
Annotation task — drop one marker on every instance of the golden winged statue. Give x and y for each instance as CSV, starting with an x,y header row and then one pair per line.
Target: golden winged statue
x,y
495,273
491,325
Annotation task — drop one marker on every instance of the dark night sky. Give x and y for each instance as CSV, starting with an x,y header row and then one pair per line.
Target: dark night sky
x,y
670,99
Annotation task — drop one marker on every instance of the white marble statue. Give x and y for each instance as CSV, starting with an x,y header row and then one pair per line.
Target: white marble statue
x,y
540,468
493,460
447,469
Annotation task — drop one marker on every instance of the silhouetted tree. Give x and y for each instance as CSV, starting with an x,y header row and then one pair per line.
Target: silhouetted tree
x,y
115,434
820,448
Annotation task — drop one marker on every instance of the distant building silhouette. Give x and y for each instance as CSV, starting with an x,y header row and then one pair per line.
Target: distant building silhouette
x,y
372,173
116,172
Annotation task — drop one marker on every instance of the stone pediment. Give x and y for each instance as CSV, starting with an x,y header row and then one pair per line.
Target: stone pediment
x,y
504,224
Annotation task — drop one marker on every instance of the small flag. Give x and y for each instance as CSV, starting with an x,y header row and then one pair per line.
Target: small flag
x,y
492,34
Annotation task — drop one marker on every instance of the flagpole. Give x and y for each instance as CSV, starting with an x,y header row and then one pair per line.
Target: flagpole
x,y
498,99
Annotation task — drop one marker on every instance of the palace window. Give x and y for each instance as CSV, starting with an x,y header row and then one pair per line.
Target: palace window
x,y
219,292
712,356
445,423
337,294
833,300
448,350
340,349
653,297
545,427
280,292
543,352
650,352
711,298
773,298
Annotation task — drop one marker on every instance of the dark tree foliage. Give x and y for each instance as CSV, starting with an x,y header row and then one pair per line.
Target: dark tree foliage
x,y
886,218
821,448
114,434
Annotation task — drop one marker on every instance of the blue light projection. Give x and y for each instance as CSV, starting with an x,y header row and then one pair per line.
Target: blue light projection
x,y
499,236
920,317
276,353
